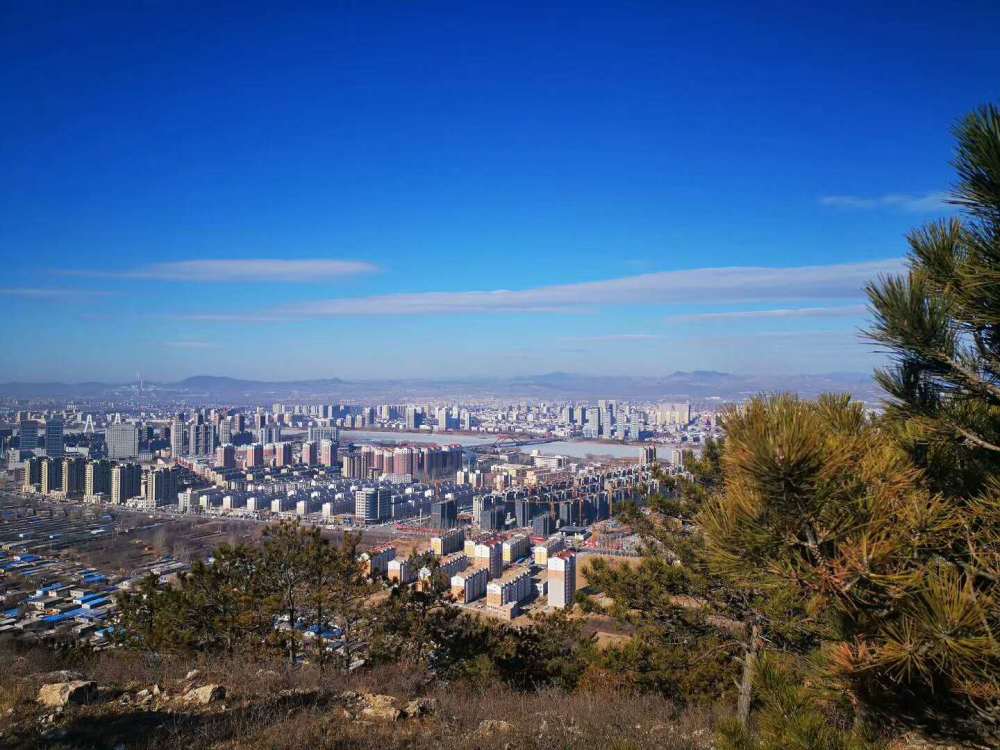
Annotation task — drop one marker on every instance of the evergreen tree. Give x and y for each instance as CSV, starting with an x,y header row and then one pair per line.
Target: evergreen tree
x,y
348,597
285,567
940,321
822,504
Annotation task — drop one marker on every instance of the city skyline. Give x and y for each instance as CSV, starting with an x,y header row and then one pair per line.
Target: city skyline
x,y
379,193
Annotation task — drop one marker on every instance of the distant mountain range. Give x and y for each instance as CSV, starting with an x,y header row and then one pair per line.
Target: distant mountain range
x,y
695,385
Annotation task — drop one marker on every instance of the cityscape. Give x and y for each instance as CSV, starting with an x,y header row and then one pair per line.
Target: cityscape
x,y
561,376
506,490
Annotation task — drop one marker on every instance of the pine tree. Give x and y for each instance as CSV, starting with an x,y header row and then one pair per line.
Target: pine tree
x,y
348,596
285,568
823,504
940,321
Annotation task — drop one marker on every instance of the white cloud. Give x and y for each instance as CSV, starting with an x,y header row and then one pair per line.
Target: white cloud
x,y
245,270
928,203
739,284
792,312
55,294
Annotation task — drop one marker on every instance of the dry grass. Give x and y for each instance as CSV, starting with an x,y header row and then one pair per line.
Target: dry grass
x,y
270,705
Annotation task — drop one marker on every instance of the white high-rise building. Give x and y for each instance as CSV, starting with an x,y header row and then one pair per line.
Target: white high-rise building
x,y
562,579
122,440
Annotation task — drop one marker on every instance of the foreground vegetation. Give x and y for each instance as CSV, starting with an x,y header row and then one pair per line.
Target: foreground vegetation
x,y
825,579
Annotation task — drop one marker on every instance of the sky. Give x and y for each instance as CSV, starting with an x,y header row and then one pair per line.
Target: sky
x,y
424,189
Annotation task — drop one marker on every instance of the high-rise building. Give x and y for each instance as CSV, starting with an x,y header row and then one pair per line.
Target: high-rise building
x,y
126,482
201,439
282,454
225,456
253,455
122,440
178,441
161,486
74,474
54,437
225,430
489,555
32,474
413,418
97,478
648,454
51,478
444,514
366,505
27,434
269,434
310,453
328,452
562,579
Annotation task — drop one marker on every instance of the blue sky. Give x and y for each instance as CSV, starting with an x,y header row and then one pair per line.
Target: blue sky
x,y
432,189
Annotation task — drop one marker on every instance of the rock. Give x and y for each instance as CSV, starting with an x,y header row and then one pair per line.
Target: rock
x,y
192,675
63,693
380,707
490,727
205,694
420,707
143,694
156,690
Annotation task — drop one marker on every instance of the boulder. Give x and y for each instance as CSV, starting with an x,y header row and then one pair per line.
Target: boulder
x,y
192,675
63,693
205,694
380,707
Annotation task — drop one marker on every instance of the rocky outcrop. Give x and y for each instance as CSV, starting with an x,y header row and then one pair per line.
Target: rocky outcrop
x,y
204,695
379,707
57,694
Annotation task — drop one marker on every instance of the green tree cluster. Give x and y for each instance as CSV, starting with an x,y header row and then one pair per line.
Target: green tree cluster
x,y
249,598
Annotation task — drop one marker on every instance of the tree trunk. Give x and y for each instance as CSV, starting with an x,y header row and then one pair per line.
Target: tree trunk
x,y
746,683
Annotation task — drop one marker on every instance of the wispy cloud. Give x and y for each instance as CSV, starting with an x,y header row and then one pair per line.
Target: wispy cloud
x,y
245,270
927,203
792,312
53,294
739,284
187,344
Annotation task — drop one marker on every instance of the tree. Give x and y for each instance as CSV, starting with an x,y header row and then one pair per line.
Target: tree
x,y
320,557
940,322
285,567
348,596
413,622
687,625
821,503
